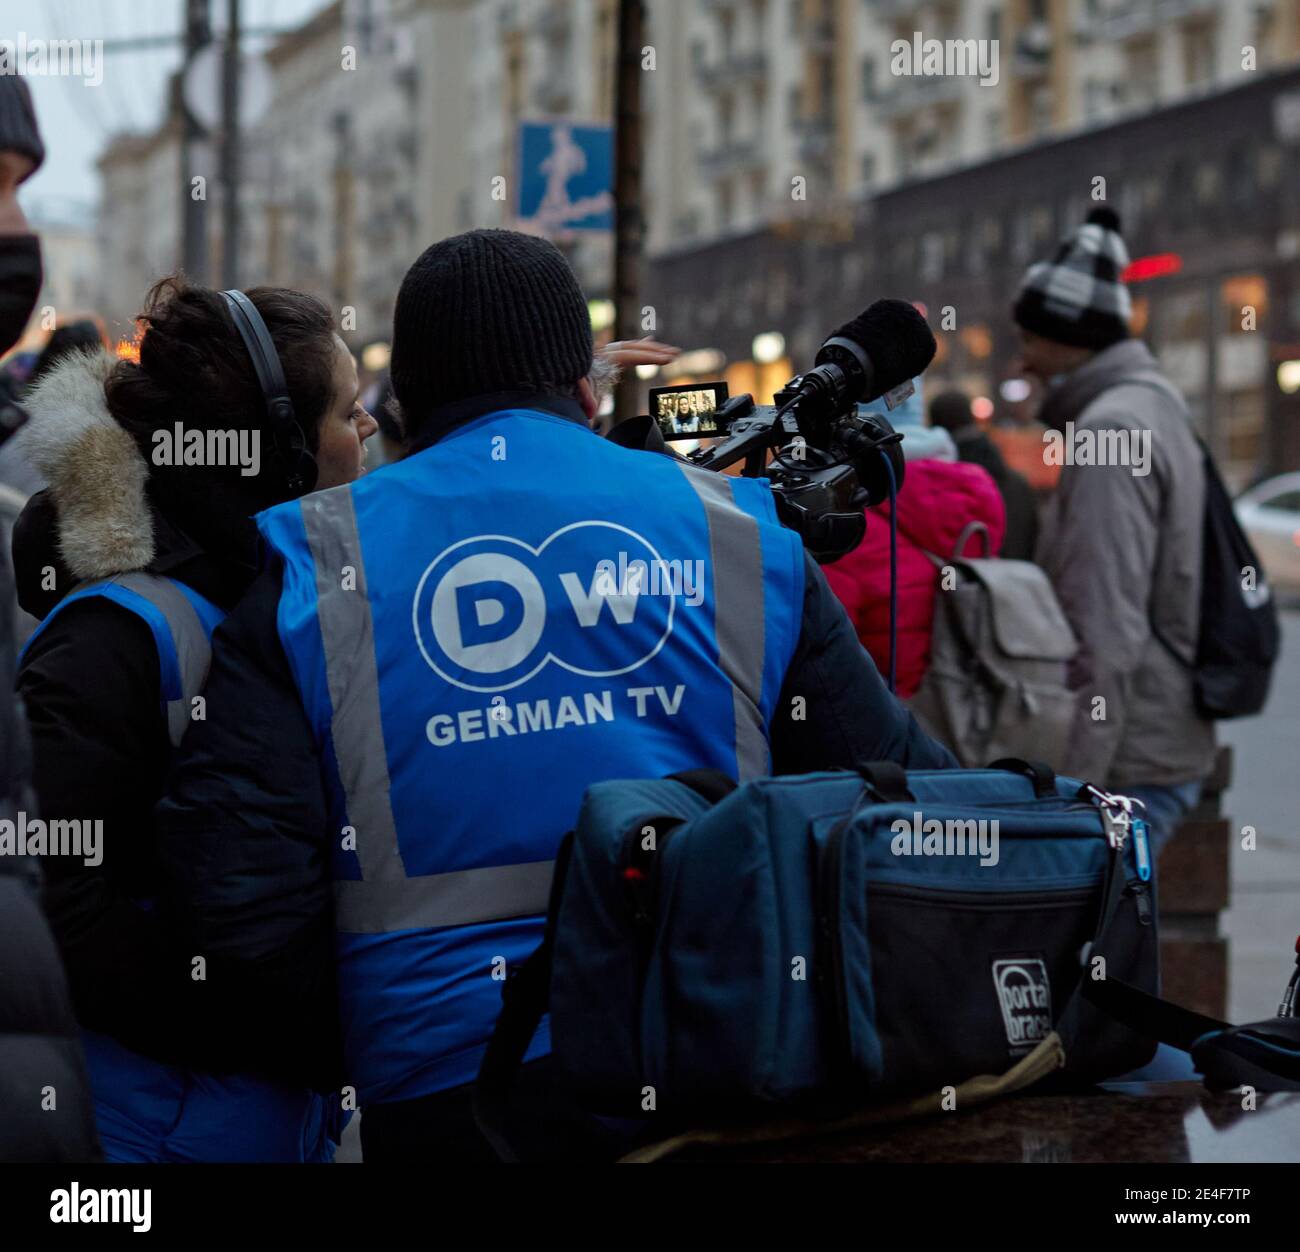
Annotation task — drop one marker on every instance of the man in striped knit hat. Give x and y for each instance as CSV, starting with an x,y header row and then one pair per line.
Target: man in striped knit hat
x,y
1121,539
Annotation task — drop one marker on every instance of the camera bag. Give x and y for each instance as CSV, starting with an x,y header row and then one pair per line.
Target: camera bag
x,y
822,941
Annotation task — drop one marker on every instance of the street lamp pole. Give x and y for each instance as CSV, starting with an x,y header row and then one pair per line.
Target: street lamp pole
x,y
230,150
628,220
194,216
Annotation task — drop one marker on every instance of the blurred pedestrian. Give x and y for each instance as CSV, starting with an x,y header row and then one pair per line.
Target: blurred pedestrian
x,y
938,500
39,1050
70,337
158,548
951,411
1122,536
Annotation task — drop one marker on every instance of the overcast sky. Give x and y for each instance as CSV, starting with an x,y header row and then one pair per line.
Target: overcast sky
x,y
76,119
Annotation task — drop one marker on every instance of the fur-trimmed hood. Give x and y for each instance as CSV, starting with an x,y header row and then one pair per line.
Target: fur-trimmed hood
x,y
96,472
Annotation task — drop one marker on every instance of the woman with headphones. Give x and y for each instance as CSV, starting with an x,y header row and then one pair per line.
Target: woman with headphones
x,y
132,556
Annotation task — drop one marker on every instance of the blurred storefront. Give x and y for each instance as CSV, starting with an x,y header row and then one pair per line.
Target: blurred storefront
x,y
1210,203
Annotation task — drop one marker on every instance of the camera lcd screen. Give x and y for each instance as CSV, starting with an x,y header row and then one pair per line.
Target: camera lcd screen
x,y
689,412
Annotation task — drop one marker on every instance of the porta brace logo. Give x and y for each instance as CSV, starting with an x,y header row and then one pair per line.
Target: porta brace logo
x,y
491,612
1026,999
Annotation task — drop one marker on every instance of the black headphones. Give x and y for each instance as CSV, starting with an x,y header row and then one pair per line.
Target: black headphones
x,y
286,434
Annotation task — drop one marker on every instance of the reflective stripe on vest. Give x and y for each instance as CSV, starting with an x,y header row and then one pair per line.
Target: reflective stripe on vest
x,y
737,558
386,898
181,622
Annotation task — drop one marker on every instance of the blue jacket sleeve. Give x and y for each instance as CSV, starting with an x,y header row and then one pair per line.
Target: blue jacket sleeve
x,y
835,711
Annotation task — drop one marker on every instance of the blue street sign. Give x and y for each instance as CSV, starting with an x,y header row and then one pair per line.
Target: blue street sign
x,y
566,177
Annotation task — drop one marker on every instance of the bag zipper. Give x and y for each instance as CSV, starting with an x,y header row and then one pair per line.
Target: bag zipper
x,y
639,870
982,901
1140,894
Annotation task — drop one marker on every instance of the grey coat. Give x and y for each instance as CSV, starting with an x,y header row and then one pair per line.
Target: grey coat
x,y
1122,546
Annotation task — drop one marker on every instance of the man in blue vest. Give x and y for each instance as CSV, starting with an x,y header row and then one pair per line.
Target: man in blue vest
x,y
407,708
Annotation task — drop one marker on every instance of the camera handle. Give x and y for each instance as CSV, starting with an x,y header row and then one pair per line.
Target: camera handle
x,y
749,436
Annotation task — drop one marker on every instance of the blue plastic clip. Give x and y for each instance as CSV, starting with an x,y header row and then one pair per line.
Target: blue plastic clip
x,y
1142,849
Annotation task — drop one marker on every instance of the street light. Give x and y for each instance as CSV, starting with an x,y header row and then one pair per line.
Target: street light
x,y
768,347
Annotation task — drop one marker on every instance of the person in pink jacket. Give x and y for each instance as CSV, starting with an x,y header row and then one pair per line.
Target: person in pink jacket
x,y
940,496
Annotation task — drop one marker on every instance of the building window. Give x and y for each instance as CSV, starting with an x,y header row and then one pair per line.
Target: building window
x,y
726,205
1142,78
1241,435
1243,292
1183,316
1198,53
868,79
1040,110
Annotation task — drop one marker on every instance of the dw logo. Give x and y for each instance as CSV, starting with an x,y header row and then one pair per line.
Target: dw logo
x,y
490,612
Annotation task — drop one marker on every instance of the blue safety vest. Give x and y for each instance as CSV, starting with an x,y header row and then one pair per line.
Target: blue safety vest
x,y
146,1110
478,633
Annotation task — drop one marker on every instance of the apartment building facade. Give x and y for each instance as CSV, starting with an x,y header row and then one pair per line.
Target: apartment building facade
x,y
773,124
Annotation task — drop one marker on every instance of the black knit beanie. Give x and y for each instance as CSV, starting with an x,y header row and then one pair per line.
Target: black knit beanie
x,y
18,130
489,310
1077,298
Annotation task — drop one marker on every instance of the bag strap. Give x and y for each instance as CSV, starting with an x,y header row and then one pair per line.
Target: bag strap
x,y
525,998
888,780
1149,1015
1038,772
972,528
1067,1022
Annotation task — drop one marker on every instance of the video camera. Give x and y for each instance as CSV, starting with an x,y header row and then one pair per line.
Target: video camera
x,y
832,462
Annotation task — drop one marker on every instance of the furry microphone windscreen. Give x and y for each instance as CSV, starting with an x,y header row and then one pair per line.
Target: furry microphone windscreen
x,y
896,339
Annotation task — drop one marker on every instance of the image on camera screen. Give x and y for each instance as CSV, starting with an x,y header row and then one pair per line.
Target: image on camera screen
x,y
688,412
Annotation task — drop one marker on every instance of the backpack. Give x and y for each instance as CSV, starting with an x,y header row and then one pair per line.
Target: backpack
x,y
1000,645
1237,634
1237,641
800,943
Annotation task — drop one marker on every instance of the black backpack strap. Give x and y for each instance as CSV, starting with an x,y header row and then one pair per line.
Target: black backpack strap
x,y
525,998
887,780
1067,1023
1038,772
1149,1015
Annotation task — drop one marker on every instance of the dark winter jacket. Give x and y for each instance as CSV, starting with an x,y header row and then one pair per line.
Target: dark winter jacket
x,y
40,1053
101,751
974,447
243,831
937,502
45,1108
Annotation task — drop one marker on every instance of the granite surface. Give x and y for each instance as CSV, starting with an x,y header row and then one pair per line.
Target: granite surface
x,y
1153,1122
